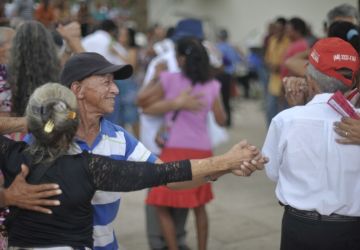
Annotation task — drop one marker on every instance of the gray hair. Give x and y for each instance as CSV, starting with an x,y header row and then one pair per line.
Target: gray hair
x,y
56,104
33,62
327,84
343,10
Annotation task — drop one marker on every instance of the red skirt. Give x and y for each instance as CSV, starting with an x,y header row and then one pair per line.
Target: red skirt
x,y
188,198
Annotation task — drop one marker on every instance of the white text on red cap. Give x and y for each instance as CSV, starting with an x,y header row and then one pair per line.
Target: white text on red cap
x,y
315,56
343,57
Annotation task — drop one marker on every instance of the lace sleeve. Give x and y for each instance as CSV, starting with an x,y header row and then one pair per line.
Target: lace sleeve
x,y
123,176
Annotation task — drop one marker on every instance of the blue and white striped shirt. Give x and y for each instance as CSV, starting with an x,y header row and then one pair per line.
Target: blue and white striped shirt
x,y
117,143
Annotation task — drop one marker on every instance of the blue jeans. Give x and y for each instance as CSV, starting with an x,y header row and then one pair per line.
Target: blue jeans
x,y
272,107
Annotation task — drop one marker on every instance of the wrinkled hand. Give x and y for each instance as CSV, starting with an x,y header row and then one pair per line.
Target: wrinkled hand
x,y
246,159
188,101
257,163
349,130
31,197
296,90
70,31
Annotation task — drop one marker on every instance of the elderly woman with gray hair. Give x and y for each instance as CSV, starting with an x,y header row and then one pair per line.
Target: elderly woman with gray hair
x,y
53,120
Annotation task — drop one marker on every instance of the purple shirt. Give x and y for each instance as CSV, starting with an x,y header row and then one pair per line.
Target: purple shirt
x,y
190,128
296,47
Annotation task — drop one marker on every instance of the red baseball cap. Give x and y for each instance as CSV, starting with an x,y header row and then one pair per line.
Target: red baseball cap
x,y
331,54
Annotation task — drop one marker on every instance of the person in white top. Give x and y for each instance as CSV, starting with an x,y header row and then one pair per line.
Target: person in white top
x,y
317,179
102,42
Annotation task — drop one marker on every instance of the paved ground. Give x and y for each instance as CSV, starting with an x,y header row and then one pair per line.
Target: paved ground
x,y
244,215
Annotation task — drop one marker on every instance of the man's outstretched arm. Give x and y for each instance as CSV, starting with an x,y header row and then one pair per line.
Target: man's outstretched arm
x,y
12,124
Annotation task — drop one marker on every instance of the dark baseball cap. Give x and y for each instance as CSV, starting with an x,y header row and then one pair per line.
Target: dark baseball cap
x,y
86,64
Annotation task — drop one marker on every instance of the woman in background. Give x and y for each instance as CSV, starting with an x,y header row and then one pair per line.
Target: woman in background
x,y
33,62
188,135
126,111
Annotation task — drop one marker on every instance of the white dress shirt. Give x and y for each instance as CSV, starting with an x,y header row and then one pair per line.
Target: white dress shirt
x,y
312,171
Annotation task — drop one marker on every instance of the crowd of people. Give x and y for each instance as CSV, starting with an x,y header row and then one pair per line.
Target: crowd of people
x,y
74,79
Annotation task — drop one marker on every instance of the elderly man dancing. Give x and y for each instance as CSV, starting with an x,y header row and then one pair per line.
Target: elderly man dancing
x,y
317,178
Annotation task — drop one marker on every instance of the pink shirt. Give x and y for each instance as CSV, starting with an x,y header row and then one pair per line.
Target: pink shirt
x,y
294,48
189,130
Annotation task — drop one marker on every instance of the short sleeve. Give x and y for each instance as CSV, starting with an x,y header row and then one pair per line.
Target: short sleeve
x,y
136,151
215,87
271,149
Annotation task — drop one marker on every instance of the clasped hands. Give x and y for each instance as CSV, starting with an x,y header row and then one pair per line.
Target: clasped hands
x,y
243,159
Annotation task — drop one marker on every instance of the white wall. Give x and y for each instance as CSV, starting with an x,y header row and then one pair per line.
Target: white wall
x,y
246,20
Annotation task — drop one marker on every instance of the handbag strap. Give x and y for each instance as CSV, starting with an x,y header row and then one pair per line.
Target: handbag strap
x,y
173,117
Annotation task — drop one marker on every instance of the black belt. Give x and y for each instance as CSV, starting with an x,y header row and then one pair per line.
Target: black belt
x,y
315,216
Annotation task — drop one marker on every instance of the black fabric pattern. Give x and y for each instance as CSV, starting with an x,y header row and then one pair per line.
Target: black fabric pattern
x,y
123,176
5,145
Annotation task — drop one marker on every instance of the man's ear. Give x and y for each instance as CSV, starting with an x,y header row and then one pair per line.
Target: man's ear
x,y
77,89
313,86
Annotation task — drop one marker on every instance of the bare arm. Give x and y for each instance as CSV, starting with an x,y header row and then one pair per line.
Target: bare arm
x,y
241,160
150,94
12,124
71,33
296,64
219,113
185,100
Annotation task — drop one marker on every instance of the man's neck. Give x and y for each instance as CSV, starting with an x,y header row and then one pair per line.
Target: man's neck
x,y
89,126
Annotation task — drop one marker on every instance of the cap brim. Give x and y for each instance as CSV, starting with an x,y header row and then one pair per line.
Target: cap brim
x,y
120,71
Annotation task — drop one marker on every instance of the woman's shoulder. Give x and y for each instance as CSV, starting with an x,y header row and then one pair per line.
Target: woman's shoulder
x,y
170,75
173,80
212,84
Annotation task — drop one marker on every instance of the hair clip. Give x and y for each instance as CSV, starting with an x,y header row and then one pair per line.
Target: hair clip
x,y
351,33
71,115
188,51
60,106
49,126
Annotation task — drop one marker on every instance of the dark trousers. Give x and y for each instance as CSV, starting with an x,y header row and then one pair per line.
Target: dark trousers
x,y
153,229
304,234
225,80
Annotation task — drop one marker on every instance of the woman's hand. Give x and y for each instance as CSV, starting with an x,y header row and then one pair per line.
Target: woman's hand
x,y
296,90
349,130
188,101
243,159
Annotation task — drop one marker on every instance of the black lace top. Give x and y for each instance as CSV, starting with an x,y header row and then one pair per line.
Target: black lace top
x,y
79,176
